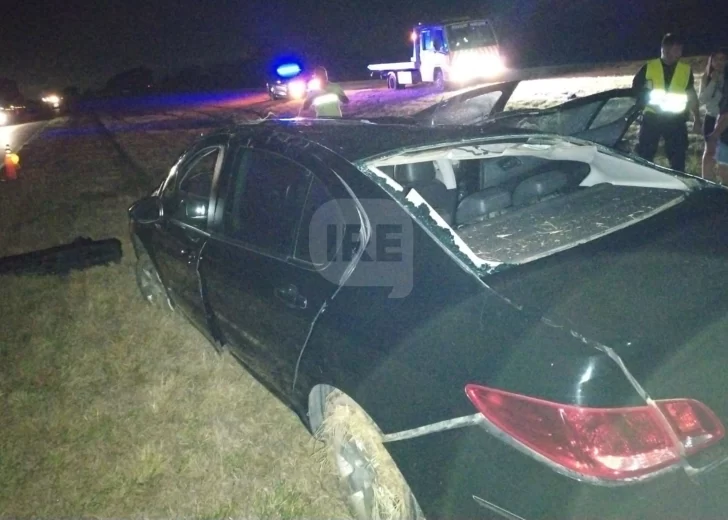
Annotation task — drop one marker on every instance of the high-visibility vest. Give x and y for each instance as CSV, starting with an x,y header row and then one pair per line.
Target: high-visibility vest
x,y
674,99
327,103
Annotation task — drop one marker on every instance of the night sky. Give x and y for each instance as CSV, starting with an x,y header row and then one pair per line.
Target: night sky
x,y
50,44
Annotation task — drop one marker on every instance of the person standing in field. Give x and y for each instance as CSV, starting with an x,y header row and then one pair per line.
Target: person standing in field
x,y
665,86
718,139
327,98
711,93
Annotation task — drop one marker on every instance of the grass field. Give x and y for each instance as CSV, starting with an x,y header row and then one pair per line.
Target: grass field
x,y
108,408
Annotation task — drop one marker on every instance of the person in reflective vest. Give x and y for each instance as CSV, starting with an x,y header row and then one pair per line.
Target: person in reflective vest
x,y
665,87
326,97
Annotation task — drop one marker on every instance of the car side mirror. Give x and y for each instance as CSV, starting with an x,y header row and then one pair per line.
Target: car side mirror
x,y
195,209
146,210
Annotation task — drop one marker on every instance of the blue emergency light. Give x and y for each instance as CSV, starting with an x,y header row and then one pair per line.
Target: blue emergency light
x,y
288,70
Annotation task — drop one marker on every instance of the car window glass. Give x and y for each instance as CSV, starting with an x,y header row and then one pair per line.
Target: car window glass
x,y
321,214
613,110
566,121
426,43
194,188
264,203
471,111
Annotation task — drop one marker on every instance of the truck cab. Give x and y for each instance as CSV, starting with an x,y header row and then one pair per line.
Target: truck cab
x,y
450,54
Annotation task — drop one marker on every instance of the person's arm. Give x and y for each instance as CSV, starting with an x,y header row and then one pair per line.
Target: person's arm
x,y
721,125
342,95
306,103
639,84
708,89
693,103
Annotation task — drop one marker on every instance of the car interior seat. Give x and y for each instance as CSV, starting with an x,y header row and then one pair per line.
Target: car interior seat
x,y
423,177
536,188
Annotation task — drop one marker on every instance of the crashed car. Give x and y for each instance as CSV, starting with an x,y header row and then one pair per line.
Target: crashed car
x,y
479,323
603,118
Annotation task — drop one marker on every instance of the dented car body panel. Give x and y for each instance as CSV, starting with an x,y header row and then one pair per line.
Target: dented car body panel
x,y
594,324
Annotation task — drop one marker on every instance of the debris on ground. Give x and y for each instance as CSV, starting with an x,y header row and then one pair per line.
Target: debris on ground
x,y
80,254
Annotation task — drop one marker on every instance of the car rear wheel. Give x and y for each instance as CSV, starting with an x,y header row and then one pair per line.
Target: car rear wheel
x,y
370,480
150,284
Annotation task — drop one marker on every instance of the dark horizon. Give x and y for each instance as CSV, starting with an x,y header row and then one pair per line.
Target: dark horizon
x,y
52,47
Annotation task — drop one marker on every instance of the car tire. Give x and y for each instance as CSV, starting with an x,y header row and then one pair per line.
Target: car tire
x,y
370,481
150,284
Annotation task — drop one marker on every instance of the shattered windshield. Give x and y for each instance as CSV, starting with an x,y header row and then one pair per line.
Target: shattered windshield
x,y
469,35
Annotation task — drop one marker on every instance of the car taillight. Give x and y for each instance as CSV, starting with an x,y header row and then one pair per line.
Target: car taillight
x,y
603,443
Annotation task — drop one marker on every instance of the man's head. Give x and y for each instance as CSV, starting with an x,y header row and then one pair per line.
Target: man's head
x,y
672,48
321,74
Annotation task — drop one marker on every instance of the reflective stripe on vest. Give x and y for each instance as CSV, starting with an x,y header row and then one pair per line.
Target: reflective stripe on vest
x,y
673,100
327,105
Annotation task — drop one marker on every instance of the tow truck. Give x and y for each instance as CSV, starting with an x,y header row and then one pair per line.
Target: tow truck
x,y
449,54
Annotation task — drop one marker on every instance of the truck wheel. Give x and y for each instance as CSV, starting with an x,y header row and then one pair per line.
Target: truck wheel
x,y
392,83
439,80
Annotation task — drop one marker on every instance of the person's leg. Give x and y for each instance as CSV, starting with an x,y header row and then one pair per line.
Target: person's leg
x,y
649,137
722,160
708,164
676,144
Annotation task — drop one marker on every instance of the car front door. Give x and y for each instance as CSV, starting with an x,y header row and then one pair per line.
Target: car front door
x,y
262,287
182,232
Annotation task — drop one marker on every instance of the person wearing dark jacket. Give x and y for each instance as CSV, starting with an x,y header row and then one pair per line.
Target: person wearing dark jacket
x,y
665,87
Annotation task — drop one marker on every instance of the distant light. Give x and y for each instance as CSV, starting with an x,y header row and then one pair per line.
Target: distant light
x,y
414,36
288,70
297,89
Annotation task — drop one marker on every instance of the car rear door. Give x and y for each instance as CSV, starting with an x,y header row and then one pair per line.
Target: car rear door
x,y
263,288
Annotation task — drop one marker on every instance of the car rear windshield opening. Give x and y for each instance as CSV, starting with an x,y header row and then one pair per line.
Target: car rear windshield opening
x,y
515,208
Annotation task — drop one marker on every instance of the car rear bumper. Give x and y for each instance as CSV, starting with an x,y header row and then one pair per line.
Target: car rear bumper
x,y
469,474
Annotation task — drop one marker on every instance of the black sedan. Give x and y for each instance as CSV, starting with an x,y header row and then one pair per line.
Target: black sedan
x,y
479,324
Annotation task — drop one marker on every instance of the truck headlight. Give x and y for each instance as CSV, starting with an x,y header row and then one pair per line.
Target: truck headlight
x,y
475,66
4,118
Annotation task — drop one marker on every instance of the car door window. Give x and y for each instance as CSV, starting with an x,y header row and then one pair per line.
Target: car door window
x,y
195,183
615,109
321,214
265,199
472,111
562,121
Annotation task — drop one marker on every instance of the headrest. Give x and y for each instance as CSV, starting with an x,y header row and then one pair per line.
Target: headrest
x,y
415,173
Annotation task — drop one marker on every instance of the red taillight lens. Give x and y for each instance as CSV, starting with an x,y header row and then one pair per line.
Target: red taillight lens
x,y
604,443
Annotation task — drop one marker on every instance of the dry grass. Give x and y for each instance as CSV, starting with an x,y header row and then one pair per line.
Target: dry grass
x,y
110,408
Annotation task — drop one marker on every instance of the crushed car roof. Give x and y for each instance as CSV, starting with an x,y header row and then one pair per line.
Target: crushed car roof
x,y
356,140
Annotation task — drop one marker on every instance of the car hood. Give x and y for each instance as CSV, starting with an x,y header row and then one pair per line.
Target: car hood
x,y
656,293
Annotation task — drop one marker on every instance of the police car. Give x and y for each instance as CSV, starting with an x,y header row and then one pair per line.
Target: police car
x,y
288,81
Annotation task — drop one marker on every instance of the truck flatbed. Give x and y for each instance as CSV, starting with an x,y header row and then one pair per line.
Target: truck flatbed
x,y
403,65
